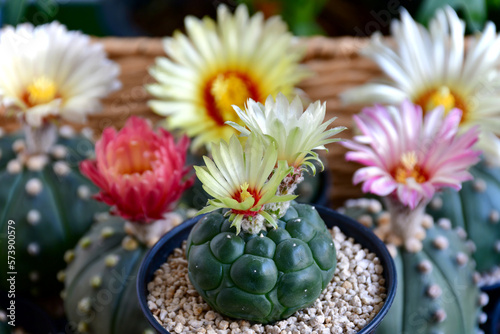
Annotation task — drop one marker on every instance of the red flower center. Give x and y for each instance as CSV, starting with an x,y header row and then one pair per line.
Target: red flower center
x,y
409,168
136,157
226,89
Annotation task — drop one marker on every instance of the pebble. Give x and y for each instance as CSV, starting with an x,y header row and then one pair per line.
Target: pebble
x,y
351,300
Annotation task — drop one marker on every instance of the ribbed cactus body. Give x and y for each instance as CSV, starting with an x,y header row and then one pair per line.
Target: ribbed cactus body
x,y
436,291
475,208
100,295
263,277
50,203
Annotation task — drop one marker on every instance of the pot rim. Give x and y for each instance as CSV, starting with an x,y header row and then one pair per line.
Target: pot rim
x,y
159,253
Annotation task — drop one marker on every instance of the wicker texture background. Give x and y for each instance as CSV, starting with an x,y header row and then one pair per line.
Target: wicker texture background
x,y
335,61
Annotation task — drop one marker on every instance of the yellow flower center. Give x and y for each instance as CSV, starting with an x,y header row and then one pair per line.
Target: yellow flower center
x,y
442,96
42,90
133,157
225,90
244,194
408,168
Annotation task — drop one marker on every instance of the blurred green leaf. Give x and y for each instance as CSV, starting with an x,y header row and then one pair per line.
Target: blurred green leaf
x,y
300,15
473,11
13,11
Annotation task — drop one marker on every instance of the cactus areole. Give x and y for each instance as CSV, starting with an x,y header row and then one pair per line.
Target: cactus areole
x,y
266,276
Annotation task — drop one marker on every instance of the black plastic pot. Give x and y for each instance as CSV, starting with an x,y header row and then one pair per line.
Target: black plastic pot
x,y
165,246
492,326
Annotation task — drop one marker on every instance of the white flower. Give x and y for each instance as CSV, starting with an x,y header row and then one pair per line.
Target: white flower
x,y
244,180
431,68
296,132
48,71
220,64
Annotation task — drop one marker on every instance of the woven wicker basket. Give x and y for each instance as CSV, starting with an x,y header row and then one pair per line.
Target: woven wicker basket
x,y
335,61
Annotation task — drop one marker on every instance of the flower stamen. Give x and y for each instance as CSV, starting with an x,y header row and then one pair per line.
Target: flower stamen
x,y
42,90
445,97
225,90
408,168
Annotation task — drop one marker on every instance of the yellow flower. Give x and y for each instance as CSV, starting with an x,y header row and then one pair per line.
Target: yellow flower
x,y
244,180
220,64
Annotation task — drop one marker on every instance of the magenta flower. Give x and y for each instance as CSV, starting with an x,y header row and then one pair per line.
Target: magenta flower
x,y
408,156
141,173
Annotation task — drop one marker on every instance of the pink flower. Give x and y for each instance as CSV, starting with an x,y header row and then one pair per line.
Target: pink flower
x,y
141,173
409,156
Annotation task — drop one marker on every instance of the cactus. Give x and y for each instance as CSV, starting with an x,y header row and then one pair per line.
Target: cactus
x,y
476,209
436,291
100,294
50,203
262,277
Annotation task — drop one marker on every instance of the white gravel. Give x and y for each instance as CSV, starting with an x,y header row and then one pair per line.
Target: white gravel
x,y
351,300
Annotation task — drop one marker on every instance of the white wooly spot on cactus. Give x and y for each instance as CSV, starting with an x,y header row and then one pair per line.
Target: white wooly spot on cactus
x,y
462,234
37,162
413,245
393,250
375,206
441,242
66,131
3,316
34,276
462,259
83,327
439,315
129,243
497,246
434,291
18,145
111,260
83,192
484,299
494,217
471,246
61,168
425,267
14,166
34,186
85,305
483,317
33,217
33,249
101,216
366,220
69,256
87,133
59,152
436,203
96,281
479,185
444,223
61,276
107,232
384,218
427,221
476,277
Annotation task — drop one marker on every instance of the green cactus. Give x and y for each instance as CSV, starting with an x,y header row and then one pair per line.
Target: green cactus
x,y
263,277
476,209
100,294
436,291
51,205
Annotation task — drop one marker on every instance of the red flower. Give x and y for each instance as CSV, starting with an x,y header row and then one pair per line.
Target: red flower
x,y
141,173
